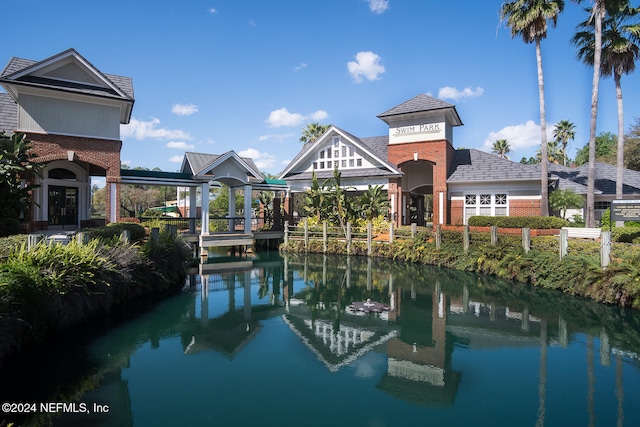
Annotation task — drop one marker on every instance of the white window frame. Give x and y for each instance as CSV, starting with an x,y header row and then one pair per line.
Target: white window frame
x,y
484,199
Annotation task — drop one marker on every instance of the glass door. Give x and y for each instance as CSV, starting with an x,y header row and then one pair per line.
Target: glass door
x,y
63,205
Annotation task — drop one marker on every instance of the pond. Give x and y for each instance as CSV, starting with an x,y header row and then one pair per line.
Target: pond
x,y
291,341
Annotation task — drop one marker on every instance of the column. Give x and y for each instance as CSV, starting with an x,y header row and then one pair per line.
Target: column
x,y
113,205
247,209
205,209
232,208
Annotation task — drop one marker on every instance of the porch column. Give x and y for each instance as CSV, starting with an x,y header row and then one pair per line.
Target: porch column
x,y
193,209
114,196
205,209
247,209
232,208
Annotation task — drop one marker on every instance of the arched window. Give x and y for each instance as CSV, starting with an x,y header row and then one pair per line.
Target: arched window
x,y
60,173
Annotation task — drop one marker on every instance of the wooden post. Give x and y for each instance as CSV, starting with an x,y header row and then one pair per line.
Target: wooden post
x,y
414,229
33,240
526,240
564,242
324,237
286,232
306,233
438,235
605,249
494,234
348,238
155,235
465,237
125,236
390,231
82,238
369,237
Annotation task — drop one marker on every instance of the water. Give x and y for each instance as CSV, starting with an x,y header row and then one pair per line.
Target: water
x,y
276,344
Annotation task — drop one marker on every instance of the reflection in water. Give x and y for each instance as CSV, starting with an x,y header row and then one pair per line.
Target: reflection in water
x,y
440,342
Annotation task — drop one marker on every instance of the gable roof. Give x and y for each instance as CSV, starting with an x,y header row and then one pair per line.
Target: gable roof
x,y
471,165
201,163
374,147
422,103
90,81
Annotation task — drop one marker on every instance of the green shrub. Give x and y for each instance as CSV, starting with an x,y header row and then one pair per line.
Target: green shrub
x,y
114,230
9,226
535,222
626,235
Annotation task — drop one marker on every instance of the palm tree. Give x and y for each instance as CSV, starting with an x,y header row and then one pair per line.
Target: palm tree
x,y
501,147
528,19
563,131
312,131
597,14
620,50
373,202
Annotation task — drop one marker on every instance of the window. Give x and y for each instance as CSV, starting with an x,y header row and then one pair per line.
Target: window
x,y
470,200
60,173
352,151
486,205
328,165
322,154
597,205
315,165
358,162
336,141
350,163
344,163
501,205
336,153
328,153
344,151
321,165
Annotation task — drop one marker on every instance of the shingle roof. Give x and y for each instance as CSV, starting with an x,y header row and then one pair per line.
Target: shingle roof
x,y
419,103
200,161
8,113
605,177
15,65
472,165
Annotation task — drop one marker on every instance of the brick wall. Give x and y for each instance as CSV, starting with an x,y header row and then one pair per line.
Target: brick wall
x,y
101,155
441,154
524,207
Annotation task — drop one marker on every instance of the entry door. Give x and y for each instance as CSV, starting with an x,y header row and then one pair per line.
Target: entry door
x,y
63,205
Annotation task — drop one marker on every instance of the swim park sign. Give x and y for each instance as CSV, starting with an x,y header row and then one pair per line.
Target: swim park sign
x,y
625,210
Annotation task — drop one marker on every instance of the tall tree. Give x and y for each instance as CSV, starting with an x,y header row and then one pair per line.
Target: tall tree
x,y
312,131
597,14
605,150
632,147
502,148
563,131
619,52
528,19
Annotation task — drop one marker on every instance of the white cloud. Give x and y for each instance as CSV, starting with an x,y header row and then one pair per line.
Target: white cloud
x,y
184,109
262,160
519,136
276,136
367,65
378,6
176,159
126,162
282,117
213,10
180,145
300,67
449,92
140,130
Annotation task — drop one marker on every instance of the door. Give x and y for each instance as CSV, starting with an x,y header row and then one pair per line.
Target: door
x,y
63,205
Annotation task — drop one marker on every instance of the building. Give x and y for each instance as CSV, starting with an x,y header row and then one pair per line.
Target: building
x,y
72,113
417,158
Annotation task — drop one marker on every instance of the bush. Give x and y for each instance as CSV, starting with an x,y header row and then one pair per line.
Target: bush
x,y
114,229
626,235
535,222
9,226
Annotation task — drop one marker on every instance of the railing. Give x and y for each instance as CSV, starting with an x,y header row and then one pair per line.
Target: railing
x,y
548,240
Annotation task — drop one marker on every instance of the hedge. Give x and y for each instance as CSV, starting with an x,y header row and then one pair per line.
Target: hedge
x,y
539,222
114,229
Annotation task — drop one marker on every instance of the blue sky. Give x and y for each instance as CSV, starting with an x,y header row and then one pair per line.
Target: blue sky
x,y
246,75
